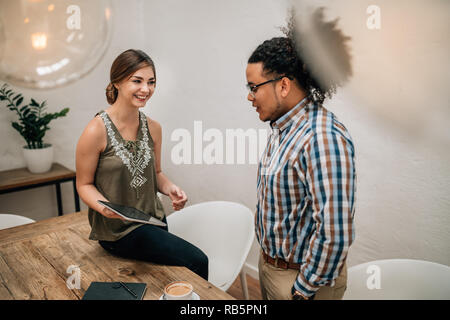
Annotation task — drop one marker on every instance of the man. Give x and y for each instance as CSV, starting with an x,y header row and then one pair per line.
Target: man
x,y
306,179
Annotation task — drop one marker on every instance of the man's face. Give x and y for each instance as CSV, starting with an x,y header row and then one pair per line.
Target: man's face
x,y
265,100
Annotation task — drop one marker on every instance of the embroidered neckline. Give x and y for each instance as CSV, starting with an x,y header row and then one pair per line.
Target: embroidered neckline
x,y
136,161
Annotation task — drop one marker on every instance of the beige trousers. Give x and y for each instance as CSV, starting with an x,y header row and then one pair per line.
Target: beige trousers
x,y
276,283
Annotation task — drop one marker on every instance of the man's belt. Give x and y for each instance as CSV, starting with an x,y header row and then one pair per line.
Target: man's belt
x,y
279,263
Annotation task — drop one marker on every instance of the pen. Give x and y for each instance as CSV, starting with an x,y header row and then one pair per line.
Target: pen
x,y
128,289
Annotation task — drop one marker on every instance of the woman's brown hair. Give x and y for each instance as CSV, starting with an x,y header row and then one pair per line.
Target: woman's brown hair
x,y
127,63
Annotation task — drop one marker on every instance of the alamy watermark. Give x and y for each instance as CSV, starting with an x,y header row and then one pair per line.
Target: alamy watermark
x,y
74,280
73,22
214,146
374,20
374,280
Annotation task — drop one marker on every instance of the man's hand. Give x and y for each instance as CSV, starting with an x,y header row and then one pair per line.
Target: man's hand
x,y
297,295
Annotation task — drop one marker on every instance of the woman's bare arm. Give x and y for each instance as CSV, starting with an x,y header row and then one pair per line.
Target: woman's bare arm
x,y
165,186
91,143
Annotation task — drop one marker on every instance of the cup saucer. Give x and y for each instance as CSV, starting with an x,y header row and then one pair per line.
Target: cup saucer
x,y
195,296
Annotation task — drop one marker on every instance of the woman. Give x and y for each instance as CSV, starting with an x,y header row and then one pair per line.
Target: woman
x,y
118,159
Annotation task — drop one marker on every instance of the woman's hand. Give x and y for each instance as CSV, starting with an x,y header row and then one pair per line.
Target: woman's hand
x,y
111,214
178,197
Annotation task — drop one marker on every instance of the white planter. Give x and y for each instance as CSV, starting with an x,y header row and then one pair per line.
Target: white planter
x,y
38,160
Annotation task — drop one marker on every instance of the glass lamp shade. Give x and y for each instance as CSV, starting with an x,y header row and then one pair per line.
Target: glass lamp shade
x,y
47,44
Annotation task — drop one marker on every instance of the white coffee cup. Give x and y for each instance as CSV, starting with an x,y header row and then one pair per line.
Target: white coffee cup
x,y
178,290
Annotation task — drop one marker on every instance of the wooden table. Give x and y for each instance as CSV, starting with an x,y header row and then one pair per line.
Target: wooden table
x,y
22,179
35,261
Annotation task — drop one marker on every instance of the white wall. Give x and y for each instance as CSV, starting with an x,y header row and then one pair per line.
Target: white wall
x,y
200,49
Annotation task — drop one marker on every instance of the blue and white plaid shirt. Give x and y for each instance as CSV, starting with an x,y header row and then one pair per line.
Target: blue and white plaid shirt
x,y
306,192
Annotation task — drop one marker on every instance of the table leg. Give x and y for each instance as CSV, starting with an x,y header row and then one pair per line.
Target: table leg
x,y
75,194
58,198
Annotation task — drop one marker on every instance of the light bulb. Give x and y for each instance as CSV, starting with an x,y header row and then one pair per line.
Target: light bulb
x,y
39,40
46,44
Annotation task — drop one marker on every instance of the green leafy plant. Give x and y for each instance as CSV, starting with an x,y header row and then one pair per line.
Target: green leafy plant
x,y
33,120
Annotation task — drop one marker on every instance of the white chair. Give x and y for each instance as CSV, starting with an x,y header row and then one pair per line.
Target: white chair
x,y
398,279
13,220
224,232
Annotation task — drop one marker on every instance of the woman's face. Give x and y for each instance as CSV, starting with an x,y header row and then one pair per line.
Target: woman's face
x,y
138,88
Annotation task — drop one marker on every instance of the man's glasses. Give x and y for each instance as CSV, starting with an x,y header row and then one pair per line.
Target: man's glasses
x,y
253,88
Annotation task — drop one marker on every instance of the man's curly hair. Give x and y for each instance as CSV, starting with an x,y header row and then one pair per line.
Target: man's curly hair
x,y
286,56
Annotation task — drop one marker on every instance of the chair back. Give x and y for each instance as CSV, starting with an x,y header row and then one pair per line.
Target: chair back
x,y
396,279
13,220
222,230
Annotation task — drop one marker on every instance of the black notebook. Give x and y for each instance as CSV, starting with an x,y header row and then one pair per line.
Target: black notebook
x,y
115,291
131,214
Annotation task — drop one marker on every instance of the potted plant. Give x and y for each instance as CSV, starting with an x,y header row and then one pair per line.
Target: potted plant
x,y
32,125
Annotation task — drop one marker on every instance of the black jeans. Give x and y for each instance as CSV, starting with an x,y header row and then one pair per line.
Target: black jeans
x,y
156,244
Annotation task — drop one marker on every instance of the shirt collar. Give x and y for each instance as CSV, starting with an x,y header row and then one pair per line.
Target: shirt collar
x,y
291,116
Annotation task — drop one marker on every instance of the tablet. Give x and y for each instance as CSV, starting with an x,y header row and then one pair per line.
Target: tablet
x,y
132,214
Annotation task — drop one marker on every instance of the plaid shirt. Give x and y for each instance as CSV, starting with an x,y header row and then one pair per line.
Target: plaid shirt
x,y
306,188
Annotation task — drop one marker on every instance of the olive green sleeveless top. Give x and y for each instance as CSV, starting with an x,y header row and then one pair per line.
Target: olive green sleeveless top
x,y
125,175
